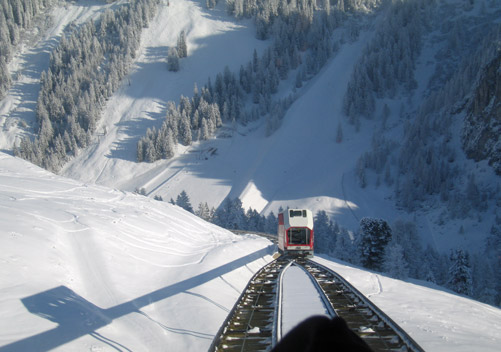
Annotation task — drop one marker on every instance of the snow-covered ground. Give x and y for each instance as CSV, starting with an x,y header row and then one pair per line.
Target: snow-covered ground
x,y
300,299
92,267
438,320
86,267
265,173
300,165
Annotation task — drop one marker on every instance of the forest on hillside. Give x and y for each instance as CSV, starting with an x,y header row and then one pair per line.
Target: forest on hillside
x,y
16,18
394,249
85,69
420,165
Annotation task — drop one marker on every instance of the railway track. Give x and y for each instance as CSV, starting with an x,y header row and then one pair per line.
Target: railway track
x,y
254,322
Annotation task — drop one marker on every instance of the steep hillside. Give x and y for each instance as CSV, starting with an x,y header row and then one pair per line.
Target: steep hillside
x,y
483,122
86,267
383,124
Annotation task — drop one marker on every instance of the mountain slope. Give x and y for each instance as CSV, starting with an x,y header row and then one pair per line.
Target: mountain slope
x,y
85,267
300,163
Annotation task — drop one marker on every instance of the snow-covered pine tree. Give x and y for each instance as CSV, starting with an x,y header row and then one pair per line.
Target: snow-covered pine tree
x,y
186,136
405,234
325,239
221,214
271,223
460,279
182,48
394,262
204,212
236,215
253,219
375,236
173,60
183,201
345,248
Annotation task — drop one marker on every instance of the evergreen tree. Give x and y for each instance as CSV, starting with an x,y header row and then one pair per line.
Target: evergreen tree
x,y
394,262
375,236
204,133
460,279
236,215
182,48
173,60
405,234
183,201
324,237
186,136
271,224
345,248
204,212
253,219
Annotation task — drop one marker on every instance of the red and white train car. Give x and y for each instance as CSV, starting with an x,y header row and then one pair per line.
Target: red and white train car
x,y
295,232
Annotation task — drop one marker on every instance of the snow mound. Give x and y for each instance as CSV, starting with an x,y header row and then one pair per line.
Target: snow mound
x,y
88,267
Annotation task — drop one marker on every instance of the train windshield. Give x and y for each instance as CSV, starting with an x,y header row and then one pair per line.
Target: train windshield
x,y
298,235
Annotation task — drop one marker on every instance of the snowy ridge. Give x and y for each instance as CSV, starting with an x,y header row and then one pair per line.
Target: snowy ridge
x,y
78,258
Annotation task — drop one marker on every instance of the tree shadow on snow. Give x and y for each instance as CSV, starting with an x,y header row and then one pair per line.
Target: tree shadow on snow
x,y
77,317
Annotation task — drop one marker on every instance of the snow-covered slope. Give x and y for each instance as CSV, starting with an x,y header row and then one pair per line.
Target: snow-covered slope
x,y
86,267
438,320
301,164
214,41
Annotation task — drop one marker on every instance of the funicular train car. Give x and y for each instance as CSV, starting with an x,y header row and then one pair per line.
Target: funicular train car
x,y
295,232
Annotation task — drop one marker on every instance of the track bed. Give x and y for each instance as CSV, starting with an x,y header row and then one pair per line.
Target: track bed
x,y
254,324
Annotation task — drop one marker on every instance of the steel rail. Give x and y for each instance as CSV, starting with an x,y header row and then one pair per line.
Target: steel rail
x,y
251,323
278,307
323,296
379,331
254,323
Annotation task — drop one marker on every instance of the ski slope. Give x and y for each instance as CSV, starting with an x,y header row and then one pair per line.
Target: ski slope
x,y
86,267
301,164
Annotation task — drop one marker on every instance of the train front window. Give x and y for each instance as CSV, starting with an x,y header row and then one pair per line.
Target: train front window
x,y
294,213
298,236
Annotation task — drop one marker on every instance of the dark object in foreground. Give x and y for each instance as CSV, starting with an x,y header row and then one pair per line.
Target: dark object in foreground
x,y
319,333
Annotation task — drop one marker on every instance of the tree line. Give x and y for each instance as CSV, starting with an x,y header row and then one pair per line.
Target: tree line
x,y
301,33
16,17
394,250
84,71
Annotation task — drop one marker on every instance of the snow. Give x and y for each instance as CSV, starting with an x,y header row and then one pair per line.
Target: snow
x,y
90,266
86,267
300,299
438,320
